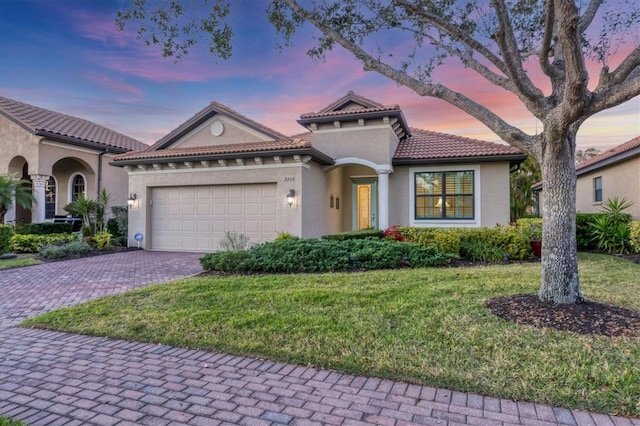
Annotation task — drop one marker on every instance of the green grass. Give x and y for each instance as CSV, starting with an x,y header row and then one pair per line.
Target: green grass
x,y
8,422
20,261
427,326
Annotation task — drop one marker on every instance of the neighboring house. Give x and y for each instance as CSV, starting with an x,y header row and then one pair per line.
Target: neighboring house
x,y
62,157
614,173
359,165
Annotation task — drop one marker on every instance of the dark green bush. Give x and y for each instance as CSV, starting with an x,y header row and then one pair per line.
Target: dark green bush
x,y
120,241
583,230
354,235
6,233
45,228
32,243
322,255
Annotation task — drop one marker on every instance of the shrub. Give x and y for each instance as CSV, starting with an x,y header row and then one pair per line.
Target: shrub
x,y
583,230
6,233
234,241
445,240
634,241
54,251
31,243
531,228
101,240
393,233
120,241
611,232
354,235
46,228
118,225
282,235
478,250
323,255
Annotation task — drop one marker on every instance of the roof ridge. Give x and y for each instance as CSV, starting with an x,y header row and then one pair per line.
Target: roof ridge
x,y
611,152
38,119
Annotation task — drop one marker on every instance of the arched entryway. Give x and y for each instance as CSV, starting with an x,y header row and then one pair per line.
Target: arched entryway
x,y
19,168
358,194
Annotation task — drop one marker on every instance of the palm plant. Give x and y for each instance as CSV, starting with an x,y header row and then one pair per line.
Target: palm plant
x,y
13,188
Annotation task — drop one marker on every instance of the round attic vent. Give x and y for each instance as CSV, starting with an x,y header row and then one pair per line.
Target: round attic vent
x,y
217,128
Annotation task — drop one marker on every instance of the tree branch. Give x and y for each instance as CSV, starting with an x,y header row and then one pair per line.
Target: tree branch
x,y
626,67
508,133
545,47
588,15
615,95
508,46
569,41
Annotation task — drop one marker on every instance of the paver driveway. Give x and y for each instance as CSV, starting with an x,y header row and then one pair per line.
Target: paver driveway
x,y
51,378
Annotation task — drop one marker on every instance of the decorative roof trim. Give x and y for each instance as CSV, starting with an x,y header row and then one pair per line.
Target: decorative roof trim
x,y
316,155
512,158
211,110
353,115
350,97
80,142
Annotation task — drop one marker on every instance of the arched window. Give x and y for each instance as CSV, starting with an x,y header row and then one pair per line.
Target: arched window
x,y
50,193
77,187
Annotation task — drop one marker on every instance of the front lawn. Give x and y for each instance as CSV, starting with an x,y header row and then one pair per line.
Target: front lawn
x,y
427,326
20,261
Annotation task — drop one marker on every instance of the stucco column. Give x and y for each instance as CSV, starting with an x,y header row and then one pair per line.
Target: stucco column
x,y
383,198
38,191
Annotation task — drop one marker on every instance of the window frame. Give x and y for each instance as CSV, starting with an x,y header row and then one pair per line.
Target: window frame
x,y
47,190
446,222
71,185
597,191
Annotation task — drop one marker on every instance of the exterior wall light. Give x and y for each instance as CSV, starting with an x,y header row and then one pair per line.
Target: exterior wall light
x,y
132,199
291,197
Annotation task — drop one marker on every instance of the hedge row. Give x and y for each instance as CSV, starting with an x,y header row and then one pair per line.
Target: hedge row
x,y
323,255
31,243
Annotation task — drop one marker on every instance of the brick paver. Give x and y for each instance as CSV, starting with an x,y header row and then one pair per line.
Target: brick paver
x,y
52,378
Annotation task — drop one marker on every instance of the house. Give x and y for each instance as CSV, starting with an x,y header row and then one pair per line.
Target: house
x,y
613,173
62,156
358,165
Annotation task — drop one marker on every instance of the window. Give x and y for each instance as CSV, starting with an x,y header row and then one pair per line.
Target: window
x,y
597,189
444,195
77,187
50,198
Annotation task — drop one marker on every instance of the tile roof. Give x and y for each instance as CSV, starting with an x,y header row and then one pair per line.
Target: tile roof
x,y
429,145
350,98
65,128
338,107
611,154
204,114
239,149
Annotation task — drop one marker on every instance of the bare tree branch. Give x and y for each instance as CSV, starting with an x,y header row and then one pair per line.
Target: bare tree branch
x,y
626,67
615,95
576,76
588,15
508,46
545,47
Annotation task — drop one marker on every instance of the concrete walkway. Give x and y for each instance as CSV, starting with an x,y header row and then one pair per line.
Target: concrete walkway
x,y
51,378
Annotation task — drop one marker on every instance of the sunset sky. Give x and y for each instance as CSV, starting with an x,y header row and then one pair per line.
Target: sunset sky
x,y
67,56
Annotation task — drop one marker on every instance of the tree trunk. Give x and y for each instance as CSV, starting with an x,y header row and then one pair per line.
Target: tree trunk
x,y
560,284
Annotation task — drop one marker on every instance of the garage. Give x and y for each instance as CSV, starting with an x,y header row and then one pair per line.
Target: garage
x,y
195,218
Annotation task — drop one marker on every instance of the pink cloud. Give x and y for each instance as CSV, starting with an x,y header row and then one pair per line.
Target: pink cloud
x,y
117,86
95,26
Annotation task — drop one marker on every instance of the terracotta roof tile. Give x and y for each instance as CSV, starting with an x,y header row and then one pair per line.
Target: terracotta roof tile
x,y
239,148
609,154
351,111
38,120
426,144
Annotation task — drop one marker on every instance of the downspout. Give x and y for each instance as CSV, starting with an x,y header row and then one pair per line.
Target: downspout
x,y
100,171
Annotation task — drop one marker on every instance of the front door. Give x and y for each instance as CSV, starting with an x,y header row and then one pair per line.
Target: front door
x,y
365,205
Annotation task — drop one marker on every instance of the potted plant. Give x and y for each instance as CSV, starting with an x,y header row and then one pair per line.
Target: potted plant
x,y
534,232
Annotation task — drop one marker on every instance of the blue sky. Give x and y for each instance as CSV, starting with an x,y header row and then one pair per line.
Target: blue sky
x,y
66,55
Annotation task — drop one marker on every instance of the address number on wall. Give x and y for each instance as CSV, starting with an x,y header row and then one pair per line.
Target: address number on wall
x,y
290,179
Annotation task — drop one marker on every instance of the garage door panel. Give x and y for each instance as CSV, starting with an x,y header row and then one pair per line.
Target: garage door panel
x,y
196,218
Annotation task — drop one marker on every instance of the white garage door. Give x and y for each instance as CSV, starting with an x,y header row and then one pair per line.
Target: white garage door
x,y
195,218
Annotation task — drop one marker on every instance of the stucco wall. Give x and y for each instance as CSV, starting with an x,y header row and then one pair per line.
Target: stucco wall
x,y
492,206
234,132
621,180
334,179
375,143
16,141
286,176
315,214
